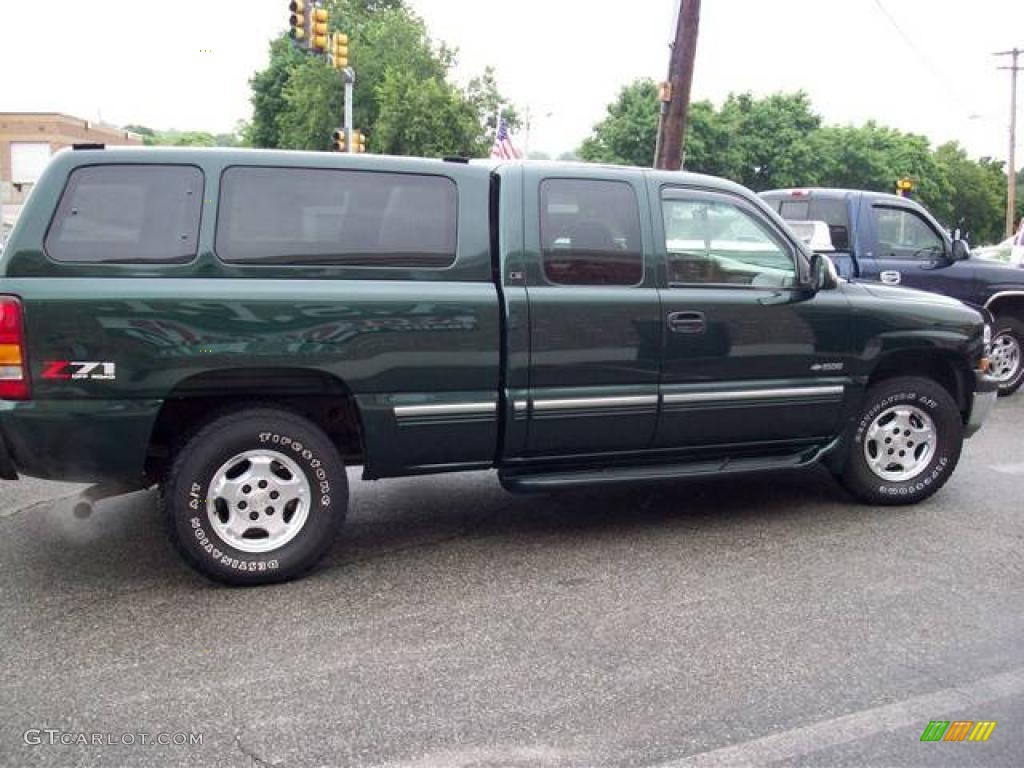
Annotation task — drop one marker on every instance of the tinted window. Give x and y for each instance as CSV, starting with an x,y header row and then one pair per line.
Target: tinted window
x,y
590,232
128,213
835,213
360,218
902,234
719,243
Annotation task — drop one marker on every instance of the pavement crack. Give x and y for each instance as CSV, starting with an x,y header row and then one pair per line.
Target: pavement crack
x,y
251,753
10,513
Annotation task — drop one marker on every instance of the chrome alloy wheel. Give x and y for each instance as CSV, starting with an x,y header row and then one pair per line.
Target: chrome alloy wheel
x,y
258,501
1005,357
900,443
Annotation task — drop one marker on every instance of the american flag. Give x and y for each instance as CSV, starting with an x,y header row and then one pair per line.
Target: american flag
x,y
503,148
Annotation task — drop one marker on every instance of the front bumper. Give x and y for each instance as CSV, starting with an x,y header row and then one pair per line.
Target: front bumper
x,y
986,392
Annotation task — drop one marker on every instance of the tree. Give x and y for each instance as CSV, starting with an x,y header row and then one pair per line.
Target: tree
x,y
977,193
401,89
425,117
627,134
766,139
779,141
268,99
151,138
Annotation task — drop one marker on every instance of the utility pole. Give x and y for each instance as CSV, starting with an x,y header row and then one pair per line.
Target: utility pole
x,y
672,125
1011,166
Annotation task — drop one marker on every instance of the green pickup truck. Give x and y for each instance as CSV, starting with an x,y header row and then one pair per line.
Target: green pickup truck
x,y
239,326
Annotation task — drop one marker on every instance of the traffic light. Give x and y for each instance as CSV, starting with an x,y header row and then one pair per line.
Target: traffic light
x,y
338,145
904,187
358,141
318,31
301,11
339,50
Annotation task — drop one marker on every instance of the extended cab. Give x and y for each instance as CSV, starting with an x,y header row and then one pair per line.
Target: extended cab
x,y
239,326
894,240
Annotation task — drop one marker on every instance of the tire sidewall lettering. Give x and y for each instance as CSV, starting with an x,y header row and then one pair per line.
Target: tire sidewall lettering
x,y
208,545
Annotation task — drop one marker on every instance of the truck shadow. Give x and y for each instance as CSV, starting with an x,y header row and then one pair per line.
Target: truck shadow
x,y
407,514
124,540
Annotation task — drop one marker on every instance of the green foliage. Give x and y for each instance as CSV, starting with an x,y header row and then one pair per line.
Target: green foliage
x,y
766,140
403,100
151,138
779,141
977,193
268,88
627,135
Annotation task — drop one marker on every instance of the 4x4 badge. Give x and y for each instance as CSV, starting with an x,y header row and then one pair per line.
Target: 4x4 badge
x,y
67,370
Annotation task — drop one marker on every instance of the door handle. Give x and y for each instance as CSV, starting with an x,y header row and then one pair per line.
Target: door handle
x,y
891,277
686,322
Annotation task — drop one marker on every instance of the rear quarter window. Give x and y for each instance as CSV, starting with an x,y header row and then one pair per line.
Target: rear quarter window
x,y
337,217
128,214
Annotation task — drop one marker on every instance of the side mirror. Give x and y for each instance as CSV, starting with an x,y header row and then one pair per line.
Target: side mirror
x,y
961,250
824,275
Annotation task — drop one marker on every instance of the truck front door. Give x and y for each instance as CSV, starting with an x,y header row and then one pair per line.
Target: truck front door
x,y
594,314
749,356
909,249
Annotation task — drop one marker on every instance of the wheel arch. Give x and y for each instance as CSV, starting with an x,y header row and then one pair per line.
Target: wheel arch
x,y
321,397
945,368
1007,303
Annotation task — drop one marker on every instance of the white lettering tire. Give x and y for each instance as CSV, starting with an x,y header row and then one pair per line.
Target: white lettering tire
x,y
257,496
905,443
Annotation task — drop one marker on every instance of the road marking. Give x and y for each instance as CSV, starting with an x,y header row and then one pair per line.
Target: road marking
x,y
1009,469
826,734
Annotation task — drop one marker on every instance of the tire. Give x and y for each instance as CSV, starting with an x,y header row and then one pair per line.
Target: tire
x,y
219,497
1007,354
926,463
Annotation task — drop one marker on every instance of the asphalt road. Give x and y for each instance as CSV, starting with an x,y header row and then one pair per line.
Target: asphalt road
x,y
767,621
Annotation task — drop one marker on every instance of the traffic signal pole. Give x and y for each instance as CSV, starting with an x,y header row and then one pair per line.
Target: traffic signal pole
x,y
310,33
350,82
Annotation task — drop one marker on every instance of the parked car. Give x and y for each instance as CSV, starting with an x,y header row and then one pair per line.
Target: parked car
x,y
894,240
1010,251
239,326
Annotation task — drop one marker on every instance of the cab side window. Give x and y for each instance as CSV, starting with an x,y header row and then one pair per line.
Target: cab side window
x,y
590,232
712,242
902,234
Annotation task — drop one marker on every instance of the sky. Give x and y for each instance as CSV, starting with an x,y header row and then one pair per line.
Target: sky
x,y
918,65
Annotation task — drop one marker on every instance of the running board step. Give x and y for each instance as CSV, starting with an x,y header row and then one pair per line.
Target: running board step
x,y
525,481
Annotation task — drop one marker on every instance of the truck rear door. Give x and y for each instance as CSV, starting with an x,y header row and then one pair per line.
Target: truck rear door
x,y
595,328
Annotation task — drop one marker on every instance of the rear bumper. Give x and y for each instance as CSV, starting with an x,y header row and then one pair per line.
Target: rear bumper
x,y
84,441
986,392
7,471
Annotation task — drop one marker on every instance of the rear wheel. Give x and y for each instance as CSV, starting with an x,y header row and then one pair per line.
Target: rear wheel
x,y
1006,354
257,496
905,444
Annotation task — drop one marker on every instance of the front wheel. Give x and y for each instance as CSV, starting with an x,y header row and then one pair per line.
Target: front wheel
x,y
257,496
1006,355
905,444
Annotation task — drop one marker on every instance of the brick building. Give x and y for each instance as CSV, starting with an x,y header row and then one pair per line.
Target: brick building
x,y
28,139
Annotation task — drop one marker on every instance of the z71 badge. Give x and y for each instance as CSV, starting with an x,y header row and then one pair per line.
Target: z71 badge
x,y
66,370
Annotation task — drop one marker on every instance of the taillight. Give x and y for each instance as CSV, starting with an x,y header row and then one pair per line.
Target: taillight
x,y
14,383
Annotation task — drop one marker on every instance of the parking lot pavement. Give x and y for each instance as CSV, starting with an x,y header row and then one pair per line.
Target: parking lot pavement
x,y
760,621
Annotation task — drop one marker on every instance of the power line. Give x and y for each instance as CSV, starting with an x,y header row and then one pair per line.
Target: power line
x,y
929,65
